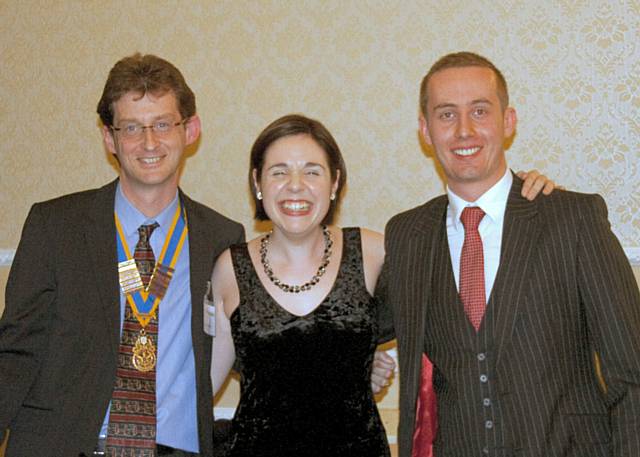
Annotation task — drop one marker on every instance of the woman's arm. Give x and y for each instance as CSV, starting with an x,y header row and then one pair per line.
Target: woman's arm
x,y
534,183
373,258
226,299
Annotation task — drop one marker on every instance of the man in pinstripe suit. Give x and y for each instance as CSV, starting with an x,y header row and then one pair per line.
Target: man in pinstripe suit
x,y
553,367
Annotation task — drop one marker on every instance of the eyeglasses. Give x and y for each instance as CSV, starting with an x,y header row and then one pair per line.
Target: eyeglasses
x,y
133,130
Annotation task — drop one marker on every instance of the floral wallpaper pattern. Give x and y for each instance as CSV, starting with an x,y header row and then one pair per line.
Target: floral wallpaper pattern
x,y
573,68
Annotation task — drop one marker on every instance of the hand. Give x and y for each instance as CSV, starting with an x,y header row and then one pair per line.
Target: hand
x,y
383,366
534,182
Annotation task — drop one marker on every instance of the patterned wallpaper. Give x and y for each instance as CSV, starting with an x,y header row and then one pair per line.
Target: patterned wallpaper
x,y
573,68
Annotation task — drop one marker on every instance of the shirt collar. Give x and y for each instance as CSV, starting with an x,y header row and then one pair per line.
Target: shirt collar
x,y
493,202
131,218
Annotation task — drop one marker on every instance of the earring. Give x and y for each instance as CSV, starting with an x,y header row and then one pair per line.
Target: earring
x,y
333,196
259,195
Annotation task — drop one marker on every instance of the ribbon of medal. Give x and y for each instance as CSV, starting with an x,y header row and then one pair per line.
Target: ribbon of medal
x,y
144,301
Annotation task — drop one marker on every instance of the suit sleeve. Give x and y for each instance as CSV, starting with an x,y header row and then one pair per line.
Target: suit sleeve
x,y
30,293
241,235
611,299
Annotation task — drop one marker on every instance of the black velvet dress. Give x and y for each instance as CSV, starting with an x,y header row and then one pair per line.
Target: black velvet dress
x,y
305,381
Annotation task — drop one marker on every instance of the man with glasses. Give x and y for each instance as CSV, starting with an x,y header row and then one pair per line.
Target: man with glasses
x,y
102,348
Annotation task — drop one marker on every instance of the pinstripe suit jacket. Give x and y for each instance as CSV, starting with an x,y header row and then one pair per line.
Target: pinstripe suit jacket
x,y
60,331
563,293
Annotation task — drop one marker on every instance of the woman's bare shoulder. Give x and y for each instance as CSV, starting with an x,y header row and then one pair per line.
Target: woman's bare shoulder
x,y
372,243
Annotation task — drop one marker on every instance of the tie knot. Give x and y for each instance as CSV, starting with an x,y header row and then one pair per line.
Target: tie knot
x,y
471,217
145,231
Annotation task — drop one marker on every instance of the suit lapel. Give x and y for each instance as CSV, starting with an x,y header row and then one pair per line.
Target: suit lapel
x,y
424,247
414,260
199,270
521,231
447,311
101,249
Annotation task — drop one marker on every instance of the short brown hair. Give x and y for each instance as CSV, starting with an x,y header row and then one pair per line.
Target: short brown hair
x,y
141,74
459,60
297,124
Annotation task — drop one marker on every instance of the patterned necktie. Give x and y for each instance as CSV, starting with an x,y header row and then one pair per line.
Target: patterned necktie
x,y
143,254
472,291
132,420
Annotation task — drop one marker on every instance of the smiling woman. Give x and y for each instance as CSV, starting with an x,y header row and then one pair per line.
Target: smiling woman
x,y
308,132
288,302
296,184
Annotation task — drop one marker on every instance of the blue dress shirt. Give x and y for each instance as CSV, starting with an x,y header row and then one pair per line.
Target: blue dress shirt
x,y
176,413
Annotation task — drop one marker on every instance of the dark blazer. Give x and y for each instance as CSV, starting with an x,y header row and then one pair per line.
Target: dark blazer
x,y
59,334
564,292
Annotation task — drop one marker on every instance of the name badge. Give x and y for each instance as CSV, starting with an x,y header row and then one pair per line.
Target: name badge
x,y
209,312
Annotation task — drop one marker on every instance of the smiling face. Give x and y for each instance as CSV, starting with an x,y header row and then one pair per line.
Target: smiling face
x,y
296,184
467,127
149,165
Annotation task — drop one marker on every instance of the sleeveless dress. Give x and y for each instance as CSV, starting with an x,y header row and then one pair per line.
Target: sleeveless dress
x,y
305,381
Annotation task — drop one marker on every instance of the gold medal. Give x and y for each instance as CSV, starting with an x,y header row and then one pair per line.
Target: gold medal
x,y
144,353
142,300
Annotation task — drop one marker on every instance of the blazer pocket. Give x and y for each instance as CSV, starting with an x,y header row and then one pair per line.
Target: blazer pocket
x,y
589,429
33,417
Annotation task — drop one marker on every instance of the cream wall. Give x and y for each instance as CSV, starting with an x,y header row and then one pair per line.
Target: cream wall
x,y
573,68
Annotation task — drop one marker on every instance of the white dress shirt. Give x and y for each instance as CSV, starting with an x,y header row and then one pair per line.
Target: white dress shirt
x,y
494,203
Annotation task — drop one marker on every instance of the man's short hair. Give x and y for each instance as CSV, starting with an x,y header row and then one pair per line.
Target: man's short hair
x,y
459,60
144,74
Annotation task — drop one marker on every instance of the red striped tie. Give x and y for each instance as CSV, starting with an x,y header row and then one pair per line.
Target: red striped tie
x,y
132,420
472,291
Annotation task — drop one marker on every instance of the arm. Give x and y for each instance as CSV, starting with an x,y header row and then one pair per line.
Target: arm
x,y
385,317
223,353
226,299
373,258
534,182
611,300
376,276
30,295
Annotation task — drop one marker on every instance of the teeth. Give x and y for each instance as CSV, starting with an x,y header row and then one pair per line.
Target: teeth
x,y
296,206
150,160
466,151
